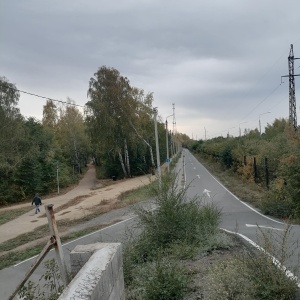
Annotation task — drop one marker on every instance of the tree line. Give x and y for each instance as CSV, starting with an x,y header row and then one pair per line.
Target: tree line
x,y
115,132
271,159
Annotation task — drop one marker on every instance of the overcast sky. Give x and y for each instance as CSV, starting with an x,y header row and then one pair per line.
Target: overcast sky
x,y
219,61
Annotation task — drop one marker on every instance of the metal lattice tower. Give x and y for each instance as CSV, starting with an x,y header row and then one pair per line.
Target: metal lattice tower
x,y
292,94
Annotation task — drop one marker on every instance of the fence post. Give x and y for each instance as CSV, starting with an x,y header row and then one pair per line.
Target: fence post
x,y
255,169
267,172
57,246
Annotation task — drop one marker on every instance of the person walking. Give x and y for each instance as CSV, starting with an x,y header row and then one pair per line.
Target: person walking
x,y
37,201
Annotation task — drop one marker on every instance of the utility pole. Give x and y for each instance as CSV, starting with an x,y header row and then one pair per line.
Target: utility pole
x,y
157,148
167,143
292,96
174,131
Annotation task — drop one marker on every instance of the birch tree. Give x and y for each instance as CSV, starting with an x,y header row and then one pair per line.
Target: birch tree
x,y
108,90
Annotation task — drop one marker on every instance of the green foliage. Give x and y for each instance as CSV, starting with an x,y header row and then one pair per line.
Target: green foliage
x,y
280,145
250,277
178,218
119,121
8,215
49,286
177,228
228,280
30,151
167,281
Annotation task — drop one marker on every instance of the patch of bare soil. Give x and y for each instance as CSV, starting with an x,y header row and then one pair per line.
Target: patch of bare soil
x,y
70,203
102,183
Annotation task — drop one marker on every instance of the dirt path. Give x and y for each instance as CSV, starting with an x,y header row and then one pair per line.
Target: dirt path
x,y
75,204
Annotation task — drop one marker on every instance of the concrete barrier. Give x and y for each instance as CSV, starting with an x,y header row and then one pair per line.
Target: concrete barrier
x,y
99,273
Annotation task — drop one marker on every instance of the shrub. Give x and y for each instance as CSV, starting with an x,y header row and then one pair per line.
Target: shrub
x,y
178,218
177,228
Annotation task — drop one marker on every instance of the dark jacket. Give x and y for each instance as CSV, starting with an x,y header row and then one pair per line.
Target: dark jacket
x,y
36,200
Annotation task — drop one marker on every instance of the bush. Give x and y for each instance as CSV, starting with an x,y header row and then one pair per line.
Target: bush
x,y
277,202
178,228
178,218
167,281
253,274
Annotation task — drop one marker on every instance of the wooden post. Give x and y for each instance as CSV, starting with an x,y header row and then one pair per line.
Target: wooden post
x,y
255,169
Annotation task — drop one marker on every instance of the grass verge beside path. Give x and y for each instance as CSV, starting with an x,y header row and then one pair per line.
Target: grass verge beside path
x,y
245,191
8,215
182,255
125,199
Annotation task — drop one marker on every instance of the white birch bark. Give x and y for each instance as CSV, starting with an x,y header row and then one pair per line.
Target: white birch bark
x,y
150,148
122,164
127,159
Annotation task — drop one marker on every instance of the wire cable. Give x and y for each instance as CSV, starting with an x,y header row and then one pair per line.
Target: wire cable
x,y
32,94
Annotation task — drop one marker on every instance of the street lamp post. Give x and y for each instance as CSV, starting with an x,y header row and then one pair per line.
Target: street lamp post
x,y
167,143
259,123
240,132
157,148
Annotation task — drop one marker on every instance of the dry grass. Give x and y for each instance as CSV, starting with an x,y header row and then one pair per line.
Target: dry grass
x,y
246,191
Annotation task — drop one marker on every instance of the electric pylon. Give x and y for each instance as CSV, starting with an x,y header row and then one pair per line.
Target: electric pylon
x,y
292,95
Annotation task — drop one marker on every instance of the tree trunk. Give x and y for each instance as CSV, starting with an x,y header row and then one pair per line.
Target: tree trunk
x,y
150,148
122,164
127,159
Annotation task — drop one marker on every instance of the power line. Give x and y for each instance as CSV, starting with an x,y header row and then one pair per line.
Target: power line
x,y
55,100
272,92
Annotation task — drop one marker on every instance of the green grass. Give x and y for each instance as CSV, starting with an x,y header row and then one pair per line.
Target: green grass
x,y
16,256
13,257
22,239
8,215
137,195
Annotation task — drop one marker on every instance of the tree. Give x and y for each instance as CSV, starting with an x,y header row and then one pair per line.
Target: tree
x,y
119,118
108,91
72,136
50,116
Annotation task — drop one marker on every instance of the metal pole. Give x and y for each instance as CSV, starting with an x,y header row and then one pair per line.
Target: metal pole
x,y
58,247
260,122
168,161
157,149
167,143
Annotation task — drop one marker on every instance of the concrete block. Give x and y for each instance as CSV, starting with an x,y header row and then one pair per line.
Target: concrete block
x,y
100,275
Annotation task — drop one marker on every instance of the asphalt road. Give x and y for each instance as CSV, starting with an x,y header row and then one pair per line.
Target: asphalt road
x,y
236,217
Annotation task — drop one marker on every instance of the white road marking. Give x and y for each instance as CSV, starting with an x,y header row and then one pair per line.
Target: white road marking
x,y
241,200
275,261
260,226
206,192
80,238
198,176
